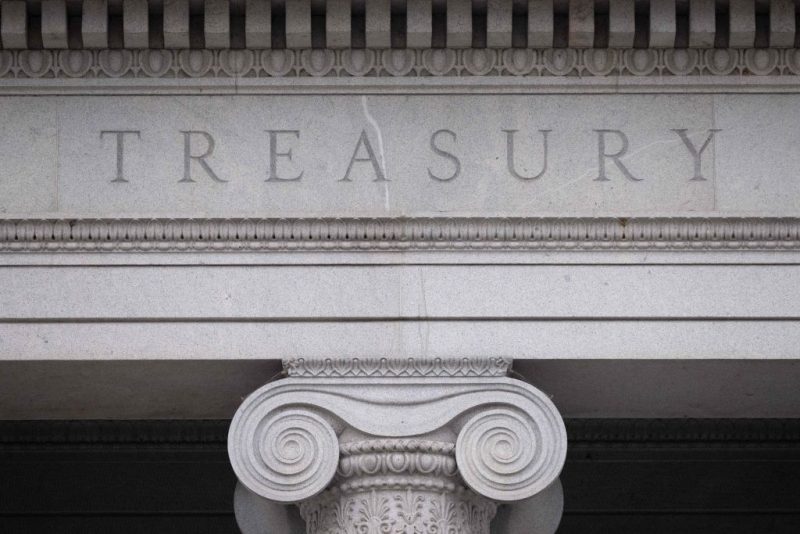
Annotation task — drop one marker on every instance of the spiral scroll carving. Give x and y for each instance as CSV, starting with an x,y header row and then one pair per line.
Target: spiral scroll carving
x,y
508,455
288,456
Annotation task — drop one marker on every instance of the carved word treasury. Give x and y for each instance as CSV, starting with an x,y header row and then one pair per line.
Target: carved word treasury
x,y
280,147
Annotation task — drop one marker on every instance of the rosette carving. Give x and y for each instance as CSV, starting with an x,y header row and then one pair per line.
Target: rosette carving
x,y
509,455
288,456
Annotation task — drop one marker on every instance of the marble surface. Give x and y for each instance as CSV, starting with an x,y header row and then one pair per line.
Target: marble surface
x,y
57,164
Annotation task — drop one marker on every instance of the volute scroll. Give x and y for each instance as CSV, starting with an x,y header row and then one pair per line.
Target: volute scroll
x,y
399,446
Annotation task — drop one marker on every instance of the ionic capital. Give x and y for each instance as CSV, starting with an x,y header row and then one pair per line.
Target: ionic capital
x,y
388,445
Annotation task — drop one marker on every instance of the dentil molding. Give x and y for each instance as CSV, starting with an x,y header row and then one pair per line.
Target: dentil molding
x,y
398,446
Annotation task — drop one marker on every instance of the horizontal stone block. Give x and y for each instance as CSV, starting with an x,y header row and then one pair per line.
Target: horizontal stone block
x,y
384,156
436,292
579,340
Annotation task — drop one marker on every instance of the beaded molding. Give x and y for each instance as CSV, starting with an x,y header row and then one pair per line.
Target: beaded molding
x,y
390,234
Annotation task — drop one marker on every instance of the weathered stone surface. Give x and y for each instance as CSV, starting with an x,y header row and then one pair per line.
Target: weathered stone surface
x,y
394,155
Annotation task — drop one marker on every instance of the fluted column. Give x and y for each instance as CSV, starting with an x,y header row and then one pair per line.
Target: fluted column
x,y
398,447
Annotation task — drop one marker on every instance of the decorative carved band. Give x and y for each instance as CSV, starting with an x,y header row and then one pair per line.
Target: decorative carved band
x,y
398,486
388,234
124,64
396,367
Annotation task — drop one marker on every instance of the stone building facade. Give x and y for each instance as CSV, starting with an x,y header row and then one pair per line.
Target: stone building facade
x,y
399,266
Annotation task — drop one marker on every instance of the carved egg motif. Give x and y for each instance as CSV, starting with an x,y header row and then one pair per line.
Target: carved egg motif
x,y
236,62
397,462
792,59
479,61
600,61
761,61
195,63
75,63
439,61
317,62
560,61
35,63
358,62
519,61
681,61
398,62
721,61
115,63
641,62
346,467
370,463
155,63
277,62
6,59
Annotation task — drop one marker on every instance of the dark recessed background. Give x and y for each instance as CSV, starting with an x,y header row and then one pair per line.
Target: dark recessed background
x,y
623,476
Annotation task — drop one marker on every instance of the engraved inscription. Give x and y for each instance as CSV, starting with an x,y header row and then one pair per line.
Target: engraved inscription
x,y
274,154
407,156
510,159
438,150
616,157
696,153
201,159
612,147
363,142
119,135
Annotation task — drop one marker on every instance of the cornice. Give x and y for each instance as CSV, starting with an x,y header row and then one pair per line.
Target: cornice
x,y
399,234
